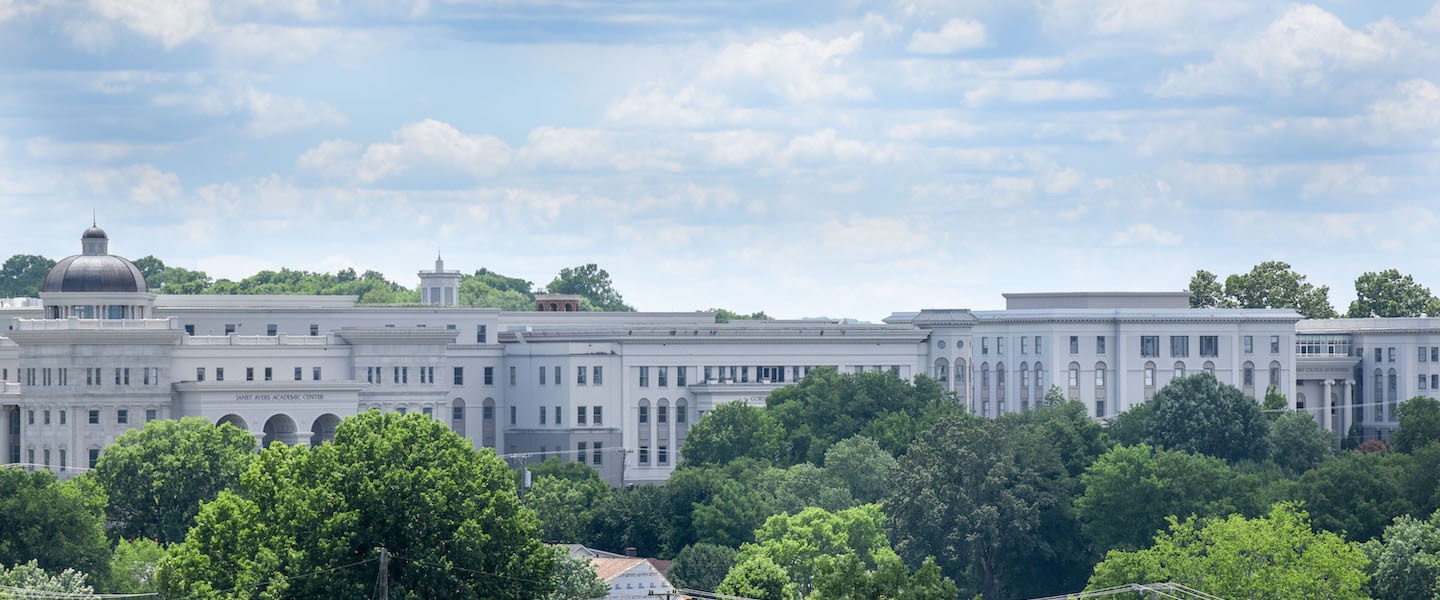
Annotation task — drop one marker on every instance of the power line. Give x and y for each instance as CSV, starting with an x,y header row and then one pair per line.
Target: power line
x,y
30,593
274,581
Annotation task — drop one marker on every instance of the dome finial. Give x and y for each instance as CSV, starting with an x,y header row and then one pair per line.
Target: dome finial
x,y
93,222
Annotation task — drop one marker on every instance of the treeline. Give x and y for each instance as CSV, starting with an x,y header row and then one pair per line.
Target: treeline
x,y
1273,284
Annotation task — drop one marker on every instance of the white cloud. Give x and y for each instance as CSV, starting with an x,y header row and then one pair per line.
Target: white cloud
x,y
933,129
1413,109
827,146
260,41
428,145
272,115
45,148
144,184
870,237
650,105
1036,90
579,148
794,66
740,147
171,22
1144,234
954,36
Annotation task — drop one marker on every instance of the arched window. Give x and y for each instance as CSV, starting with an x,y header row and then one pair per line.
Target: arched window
x,y
1275,374
1099,374
1039,380
554,307
487,423
1074,375
1179,369
942,370
1149,374
959,372
569,307
1248,377
1391,401
985,376
1024,377
1000,377
1300,400
1209,368
1379,393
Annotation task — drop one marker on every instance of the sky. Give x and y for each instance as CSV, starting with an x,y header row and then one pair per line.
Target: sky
x,y
845,159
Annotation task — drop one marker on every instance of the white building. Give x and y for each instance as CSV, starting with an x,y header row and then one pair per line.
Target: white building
x,y
99,354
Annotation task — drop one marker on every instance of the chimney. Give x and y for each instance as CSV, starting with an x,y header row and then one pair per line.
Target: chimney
x,y
632,552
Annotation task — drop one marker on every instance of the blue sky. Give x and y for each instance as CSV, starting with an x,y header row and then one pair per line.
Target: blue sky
x,y
803,158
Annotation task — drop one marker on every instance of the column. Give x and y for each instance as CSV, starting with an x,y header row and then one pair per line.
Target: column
x,y
4,433
259,440
1325,405
1346,412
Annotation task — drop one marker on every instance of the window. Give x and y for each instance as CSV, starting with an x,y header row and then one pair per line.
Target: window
x,y
644,412
1422,354
644,454
1249,344
1179,369
1074,375
94,457
149,415
229,329
1179,346
314,329
999,345
122,416
1390,352
315,373
1274,344
595,372
1435,354
1434,385
1149,374
1378,356
1099,408
271,330
579,415
489,374
190,329
557,375
542,415
595,416
1209,368
580,446
680,409
1074,344
1422,382
269,374
557,415
47,416
1249,370
662,453
1100,375
512,375
662,414
595,455
1037,344
62,417
1150,345
249,373
542,375
984,345
644,376
458,376
680,376
664,381
219,373
122,376
1024,344
94,417
1210,345
1275,373
480,334
708,377
1099,344
299,373
200,374
580,375
512,414
427,411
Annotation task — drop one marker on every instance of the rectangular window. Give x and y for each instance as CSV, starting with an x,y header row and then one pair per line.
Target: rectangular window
x,y
62,417
663,454
1210,345
542,375
543,415
1149,345
122,416
190,329
595,416
1099,408
1422,382
580,447
558,380
269,374
999,345
680,376
219,373
984,345
1422,354
579,415
1074,344
596,375
149,415
664,377
512,375
644,376
427,411
1435,382
489,375
314,329
200,374
1179,346
1149,377
1037,344
1274,344
315,373
1249,376
458,376
512,415
47,416
1274,376
644,454
1099,344
480,334
1378,356
680,413
94,457
271,330
644,414
94,417
1074,377
708,376
1435,354
662,414
299,373
580,375
1099,377
1024,344
1249,344
229,329
557,415
595,454
1390,353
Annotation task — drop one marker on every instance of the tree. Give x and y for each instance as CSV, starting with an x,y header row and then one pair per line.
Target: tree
x,y
1273,284
1206,291
828,406
862,466
489,289
406,483
845,578
1066,427
57,525
1298,443
1131,427
23,274
726,316
1274,403
591,283
565,506
554,467
760,579
701,566
805,485
179,280
1356,495
1054,396
575,578
157,477
133,567
1132,490
733,430
731,516
1199,414
1390,294
1274,557
797,542
30,576
975,494
1406,565
630,518
1419,424
149,267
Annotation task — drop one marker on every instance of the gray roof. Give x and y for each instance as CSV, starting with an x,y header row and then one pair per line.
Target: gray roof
x,y
94,233
94,273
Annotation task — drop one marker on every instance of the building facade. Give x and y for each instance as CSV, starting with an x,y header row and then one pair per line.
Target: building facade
x,y
99,354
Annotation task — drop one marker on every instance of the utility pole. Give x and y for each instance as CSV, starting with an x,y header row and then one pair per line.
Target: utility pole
x,y
384,574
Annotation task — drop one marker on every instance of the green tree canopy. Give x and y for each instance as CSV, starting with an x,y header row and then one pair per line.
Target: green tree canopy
x,y
701,566
489,289
1356,495
1298,443
1419,424
726,316
1273,557
406,483
157,477
760,579
1199,414
1390,294
575,578
30,576
797,542
845,578
733,430
1271,284
565,506
592,283
57,525
23,274
133,567
976,494
1406,564
861,466
827,406
1131,427
1132,490
630,518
